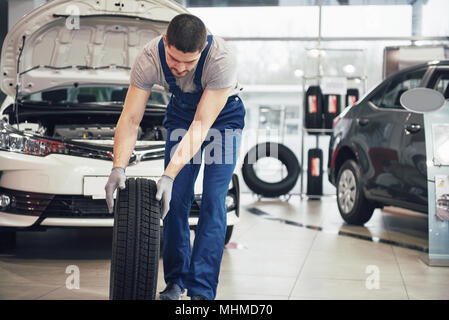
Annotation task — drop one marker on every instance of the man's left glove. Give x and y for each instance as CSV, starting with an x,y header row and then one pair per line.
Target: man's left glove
x,y
163,194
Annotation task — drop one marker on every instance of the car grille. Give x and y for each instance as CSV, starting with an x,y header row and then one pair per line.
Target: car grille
x,y
76,207
64,206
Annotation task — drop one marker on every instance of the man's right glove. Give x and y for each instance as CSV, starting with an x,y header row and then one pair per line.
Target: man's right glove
x,y
116,178
164,188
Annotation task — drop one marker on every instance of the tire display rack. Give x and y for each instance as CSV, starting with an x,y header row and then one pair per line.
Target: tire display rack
x,y
316,132
259,187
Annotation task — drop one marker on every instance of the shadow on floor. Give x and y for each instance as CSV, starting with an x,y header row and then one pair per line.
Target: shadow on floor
x,y
66,243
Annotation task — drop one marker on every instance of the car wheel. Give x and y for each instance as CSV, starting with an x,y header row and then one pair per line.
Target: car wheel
x,y
353,206
7,240
135,244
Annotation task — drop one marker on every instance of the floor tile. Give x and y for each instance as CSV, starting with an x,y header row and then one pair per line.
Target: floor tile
x,y
296,249
235,284
312,288
21,291
88,292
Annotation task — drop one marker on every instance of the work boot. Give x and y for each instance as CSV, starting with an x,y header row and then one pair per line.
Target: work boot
x,y
172,292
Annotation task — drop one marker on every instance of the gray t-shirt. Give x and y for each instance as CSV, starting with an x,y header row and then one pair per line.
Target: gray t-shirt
x,y
219,72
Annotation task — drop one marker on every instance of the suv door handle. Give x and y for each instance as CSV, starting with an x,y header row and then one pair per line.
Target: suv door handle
x,y
413,128
362,122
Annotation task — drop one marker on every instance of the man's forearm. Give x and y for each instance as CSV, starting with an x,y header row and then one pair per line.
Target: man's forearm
x,y
124,141
187,148
210,105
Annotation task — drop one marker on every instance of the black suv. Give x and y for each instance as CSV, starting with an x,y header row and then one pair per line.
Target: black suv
x,y
377,153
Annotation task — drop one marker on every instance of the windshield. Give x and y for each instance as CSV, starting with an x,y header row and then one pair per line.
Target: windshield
x,y
101,95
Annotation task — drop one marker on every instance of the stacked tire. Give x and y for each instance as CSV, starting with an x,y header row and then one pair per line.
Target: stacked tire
x,y
331,109
315,172
313,107
352,96
136,242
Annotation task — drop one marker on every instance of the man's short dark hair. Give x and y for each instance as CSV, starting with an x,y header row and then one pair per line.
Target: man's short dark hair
x,y
187,33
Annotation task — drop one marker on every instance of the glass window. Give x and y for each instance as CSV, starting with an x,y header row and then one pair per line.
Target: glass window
x,y
367,21
442,84
92,95
398,86
377,97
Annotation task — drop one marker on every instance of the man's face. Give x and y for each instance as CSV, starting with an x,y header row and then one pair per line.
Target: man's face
x,y
180,63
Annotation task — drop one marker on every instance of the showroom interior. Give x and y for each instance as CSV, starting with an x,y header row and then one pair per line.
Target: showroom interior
x,y
341,188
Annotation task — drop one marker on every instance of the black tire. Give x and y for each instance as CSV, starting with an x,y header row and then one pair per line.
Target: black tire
x,y
314,182
329,113
353,206
269,189
135,244
7,240
313,118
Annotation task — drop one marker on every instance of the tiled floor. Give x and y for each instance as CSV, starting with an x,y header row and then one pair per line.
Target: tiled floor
x,y
298,249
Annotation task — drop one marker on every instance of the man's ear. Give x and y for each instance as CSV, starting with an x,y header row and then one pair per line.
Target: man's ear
x,y
165,39
204,47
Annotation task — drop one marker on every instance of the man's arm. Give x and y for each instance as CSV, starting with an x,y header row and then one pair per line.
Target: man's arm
x,y
128,125
209,107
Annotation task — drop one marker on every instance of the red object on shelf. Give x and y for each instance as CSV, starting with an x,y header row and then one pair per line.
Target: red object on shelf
x,y
312,104
315,167
332,106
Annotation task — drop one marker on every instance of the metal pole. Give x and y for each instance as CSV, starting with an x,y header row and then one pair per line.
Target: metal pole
x,y
320,2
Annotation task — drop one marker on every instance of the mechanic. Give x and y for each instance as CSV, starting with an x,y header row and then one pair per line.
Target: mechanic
x,y
204,111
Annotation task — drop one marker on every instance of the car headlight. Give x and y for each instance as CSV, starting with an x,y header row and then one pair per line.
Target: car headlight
x,y
16,141
5,201
29,145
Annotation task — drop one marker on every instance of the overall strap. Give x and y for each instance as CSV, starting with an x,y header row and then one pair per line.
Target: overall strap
x,y
199,67
169,77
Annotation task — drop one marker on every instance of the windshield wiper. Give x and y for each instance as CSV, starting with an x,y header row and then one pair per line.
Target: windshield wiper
x,y
78,67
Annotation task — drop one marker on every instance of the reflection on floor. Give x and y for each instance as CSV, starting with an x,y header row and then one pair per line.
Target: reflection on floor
x,y
300,249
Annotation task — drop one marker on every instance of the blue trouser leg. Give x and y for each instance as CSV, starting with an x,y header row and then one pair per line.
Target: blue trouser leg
x,y
202,278
176,232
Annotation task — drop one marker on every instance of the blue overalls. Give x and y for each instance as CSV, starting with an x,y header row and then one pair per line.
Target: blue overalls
x,y
198,269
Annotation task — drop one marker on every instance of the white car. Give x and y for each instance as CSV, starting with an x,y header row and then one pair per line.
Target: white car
x,y
56,138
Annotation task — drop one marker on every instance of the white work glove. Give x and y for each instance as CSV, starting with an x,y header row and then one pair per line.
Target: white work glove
x,y
163,194
116,178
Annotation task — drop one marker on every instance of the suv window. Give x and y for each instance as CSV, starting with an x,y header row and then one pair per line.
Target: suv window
x,y
398,86
377,97
442,83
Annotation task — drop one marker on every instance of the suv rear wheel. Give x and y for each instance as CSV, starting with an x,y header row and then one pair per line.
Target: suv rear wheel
x,y
353,206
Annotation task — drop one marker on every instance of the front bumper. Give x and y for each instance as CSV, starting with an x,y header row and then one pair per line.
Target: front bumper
x,y
31,210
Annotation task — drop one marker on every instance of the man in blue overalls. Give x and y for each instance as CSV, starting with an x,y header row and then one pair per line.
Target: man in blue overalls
x,y
204,114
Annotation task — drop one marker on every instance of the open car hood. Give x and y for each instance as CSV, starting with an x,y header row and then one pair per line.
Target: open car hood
x,y
69,42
